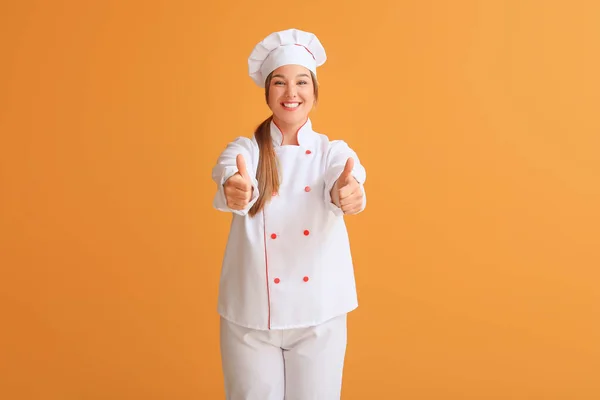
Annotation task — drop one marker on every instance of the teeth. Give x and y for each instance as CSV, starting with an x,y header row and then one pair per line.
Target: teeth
x,y
291,105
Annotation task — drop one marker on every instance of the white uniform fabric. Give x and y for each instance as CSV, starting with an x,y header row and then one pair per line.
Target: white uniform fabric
x,y
300,364
291,46
290,266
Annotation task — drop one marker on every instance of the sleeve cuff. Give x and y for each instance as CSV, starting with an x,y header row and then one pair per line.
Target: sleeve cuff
x,y
220,202
330,179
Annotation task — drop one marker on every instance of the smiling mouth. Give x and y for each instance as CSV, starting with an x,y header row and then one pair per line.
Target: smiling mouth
x,y
291,105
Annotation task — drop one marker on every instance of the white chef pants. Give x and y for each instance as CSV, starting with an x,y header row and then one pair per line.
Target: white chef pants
x,y
290,364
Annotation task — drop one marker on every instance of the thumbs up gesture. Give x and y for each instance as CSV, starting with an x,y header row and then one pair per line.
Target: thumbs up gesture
x,y
346,192
238,188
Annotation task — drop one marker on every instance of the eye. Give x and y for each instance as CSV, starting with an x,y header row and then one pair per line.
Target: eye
x,y
302,83
277,83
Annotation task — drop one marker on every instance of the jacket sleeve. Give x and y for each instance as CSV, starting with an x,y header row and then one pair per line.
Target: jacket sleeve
x,y
226,167
338,154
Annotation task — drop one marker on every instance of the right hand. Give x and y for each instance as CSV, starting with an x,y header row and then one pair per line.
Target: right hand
x,y
346,192
238,188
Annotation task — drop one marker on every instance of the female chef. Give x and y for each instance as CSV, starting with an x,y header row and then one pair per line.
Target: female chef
x,y
287,279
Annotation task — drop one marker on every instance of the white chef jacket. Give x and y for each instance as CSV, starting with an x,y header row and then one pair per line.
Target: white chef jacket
x,y
290,265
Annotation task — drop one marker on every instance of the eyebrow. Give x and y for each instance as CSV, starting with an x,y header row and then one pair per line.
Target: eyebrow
x,y
297,76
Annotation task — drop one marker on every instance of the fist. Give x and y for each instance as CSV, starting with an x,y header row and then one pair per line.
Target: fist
x,y
238,188
346,192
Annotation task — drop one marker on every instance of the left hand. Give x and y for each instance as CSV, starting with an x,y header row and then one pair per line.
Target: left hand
x,y
346,193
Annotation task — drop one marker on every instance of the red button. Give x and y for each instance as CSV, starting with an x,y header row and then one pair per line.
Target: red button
x,y
306,279
308,151
273,236
276,280
307,189
306,232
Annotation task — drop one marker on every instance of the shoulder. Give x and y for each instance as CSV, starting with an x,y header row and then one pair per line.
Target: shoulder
x,y
244,142
324,141
328,141
329,145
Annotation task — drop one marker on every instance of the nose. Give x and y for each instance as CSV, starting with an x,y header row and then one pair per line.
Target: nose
x,y
291,91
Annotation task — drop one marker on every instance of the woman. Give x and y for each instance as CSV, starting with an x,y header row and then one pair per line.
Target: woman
x,y
287,279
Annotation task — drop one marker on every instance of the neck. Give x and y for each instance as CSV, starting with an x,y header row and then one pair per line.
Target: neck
x,y
289,131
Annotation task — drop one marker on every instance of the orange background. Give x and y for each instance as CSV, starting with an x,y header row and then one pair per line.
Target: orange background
x,y
477,258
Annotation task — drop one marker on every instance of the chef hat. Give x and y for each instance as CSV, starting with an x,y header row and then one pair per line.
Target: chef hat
x,y
291,46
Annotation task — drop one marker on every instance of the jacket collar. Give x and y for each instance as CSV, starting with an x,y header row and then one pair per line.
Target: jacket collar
x,y
306,136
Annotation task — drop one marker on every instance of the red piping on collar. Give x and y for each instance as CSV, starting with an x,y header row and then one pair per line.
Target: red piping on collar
x,y
282,134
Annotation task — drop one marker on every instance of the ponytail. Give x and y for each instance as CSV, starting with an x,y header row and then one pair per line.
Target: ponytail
x,y
267,172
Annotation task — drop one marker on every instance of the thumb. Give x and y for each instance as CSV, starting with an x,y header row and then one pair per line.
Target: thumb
x,y
347,170
241,166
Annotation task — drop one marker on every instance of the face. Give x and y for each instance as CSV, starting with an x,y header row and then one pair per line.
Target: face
x,y
291,94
